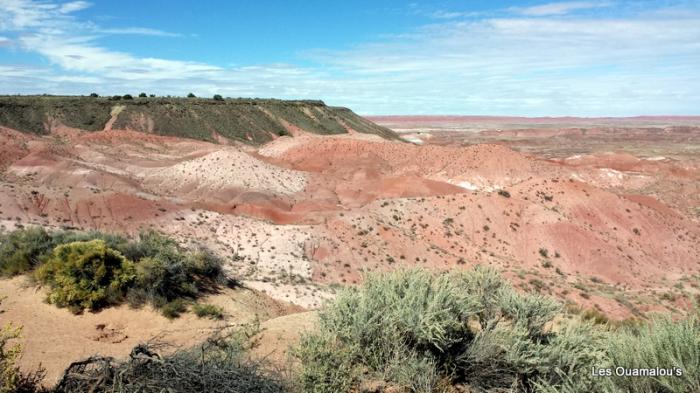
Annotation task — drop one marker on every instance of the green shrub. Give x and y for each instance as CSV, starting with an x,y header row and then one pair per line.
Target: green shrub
x,y
413,329
595,316
218,97
418,374
206,267
9,355
165,272
127,97
113,241
86,275
208,311
663,343
161,270
163,280
12,379
191,95
173,309
24,249
142,95
328,366
150,244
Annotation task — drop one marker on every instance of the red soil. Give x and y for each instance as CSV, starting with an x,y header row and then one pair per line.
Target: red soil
x,y
330,208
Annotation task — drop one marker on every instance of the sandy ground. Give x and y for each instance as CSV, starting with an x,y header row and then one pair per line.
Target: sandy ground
x,y
54,337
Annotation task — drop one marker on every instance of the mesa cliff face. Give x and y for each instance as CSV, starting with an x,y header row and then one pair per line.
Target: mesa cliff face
x,y
253,121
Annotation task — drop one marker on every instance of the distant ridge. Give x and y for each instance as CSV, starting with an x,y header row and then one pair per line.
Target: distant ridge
x,y
253,121
381,119
479,123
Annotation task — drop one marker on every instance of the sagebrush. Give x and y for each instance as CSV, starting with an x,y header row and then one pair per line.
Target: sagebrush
x,y
421,332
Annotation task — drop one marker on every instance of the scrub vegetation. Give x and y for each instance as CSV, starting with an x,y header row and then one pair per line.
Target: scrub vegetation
x,y
93,270
417,332
402,331
253,121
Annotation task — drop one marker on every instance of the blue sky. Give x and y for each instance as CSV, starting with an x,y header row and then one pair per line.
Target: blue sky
x,y
530,58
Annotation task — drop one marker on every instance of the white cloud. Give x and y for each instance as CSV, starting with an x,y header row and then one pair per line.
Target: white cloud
x,y
50,18
559,8
514,64
442,14
137,31
73,6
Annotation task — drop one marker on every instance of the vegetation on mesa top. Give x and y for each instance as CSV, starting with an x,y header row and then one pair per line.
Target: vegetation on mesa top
x,y
253,121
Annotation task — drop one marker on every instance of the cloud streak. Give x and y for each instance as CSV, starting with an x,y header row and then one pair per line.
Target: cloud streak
x,y
543,60
560,8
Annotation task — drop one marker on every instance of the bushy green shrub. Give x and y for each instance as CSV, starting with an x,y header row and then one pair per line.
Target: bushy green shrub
x,y
22,250
412,329
173,308
663,343
86,275
161,270
328,365
208,311
218,97
165,272
25,249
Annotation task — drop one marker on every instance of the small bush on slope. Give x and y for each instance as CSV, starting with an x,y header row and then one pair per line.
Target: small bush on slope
x,y
210,311
86,275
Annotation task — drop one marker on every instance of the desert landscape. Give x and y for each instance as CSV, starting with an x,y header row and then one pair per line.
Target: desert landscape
x,y
349,197
564,208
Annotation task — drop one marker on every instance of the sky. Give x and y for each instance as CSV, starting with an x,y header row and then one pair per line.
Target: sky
x,y
522,58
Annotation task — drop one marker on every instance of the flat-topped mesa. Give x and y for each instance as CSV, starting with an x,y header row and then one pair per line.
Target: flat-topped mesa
x,y
250,120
